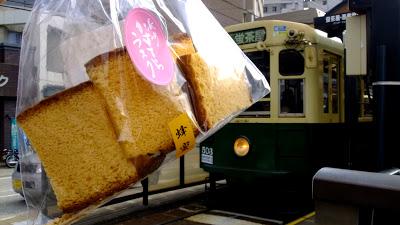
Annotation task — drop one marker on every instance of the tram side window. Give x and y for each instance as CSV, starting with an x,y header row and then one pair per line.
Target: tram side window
x,y
330,76
335,98
325,78
291,62
366,97
291,92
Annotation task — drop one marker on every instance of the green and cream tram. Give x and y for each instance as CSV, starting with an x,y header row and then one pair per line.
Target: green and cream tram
x,y
298,127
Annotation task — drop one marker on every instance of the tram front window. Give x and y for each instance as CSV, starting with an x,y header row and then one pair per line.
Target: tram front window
x,y
258,109
291,100
261,60
291,62
262,107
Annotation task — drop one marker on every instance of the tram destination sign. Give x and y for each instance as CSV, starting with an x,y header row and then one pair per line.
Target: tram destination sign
x,y
249,36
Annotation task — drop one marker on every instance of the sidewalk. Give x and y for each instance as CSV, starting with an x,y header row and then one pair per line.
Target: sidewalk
x,y
5,171
127,209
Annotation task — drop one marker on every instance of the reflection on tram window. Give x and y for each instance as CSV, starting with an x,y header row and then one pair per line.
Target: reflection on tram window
x,y
291,62
335,98
291,96
366,97
326,85
331,83
261,60
258,109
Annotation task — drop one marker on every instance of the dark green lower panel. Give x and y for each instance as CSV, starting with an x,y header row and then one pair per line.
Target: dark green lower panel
x,y
285,149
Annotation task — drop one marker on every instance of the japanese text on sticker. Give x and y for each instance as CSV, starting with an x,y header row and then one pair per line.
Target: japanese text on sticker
x,y
185,146
147,45
183,134
145,39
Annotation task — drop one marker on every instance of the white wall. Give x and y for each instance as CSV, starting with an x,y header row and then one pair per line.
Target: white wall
x,y
318,4
333,3
282,6
9,16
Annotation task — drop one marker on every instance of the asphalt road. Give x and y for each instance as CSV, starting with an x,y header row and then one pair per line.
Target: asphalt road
x,y
11,203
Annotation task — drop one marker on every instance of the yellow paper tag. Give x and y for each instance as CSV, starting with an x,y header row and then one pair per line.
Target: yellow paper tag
x,y
182,133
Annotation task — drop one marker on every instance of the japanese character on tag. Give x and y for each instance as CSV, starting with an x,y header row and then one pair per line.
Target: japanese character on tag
x,y
181,131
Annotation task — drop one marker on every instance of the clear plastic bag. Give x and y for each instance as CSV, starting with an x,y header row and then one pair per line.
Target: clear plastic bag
x,y
108,89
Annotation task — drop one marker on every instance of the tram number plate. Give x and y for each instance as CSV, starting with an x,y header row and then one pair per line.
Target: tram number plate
x,y
206,155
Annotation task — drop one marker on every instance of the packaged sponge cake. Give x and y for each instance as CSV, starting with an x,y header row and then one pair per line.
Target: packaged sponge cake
x,y
77,145
215,97
114,90
147,108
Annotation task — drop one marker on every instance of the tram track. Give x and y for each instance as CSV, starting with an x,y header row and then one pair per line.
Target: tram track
x,y
195,214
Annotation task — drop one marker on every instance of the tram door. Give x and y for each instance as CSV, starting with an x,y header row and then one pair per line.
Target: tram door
x,y
331,86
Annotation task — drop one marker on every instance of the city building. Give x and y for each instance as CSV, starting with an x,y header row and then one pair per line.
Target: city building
x,y
13,16
334,21
273,7
229,12
305,16
323,5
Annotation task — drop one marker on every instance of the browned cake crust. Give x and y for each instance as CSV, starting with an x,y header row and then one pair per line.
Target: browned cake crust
x,y
145,165
216,96
190,72
181,44
80,172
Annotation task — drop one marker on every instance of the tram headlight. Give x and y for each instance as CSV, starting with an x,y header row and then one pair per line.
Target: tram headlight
x,y
241,147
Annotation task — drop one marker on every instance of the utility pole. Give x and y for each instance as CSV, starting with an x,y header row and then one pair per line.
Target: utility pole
x,y
251,9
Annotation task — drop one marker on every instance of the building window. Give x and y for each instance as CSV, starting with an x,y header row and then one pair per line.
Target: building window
x,y
54,56
324,2
265,9
23,3
274,9
49,89
14,37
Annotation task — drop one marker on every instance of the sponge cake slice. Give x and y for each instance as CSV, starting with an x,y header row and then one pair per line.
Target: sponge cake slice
x,y
76,143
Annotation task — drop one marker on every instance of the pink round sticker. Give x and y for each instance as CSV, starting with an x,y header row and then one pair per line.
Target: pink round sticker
x,y
147,46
